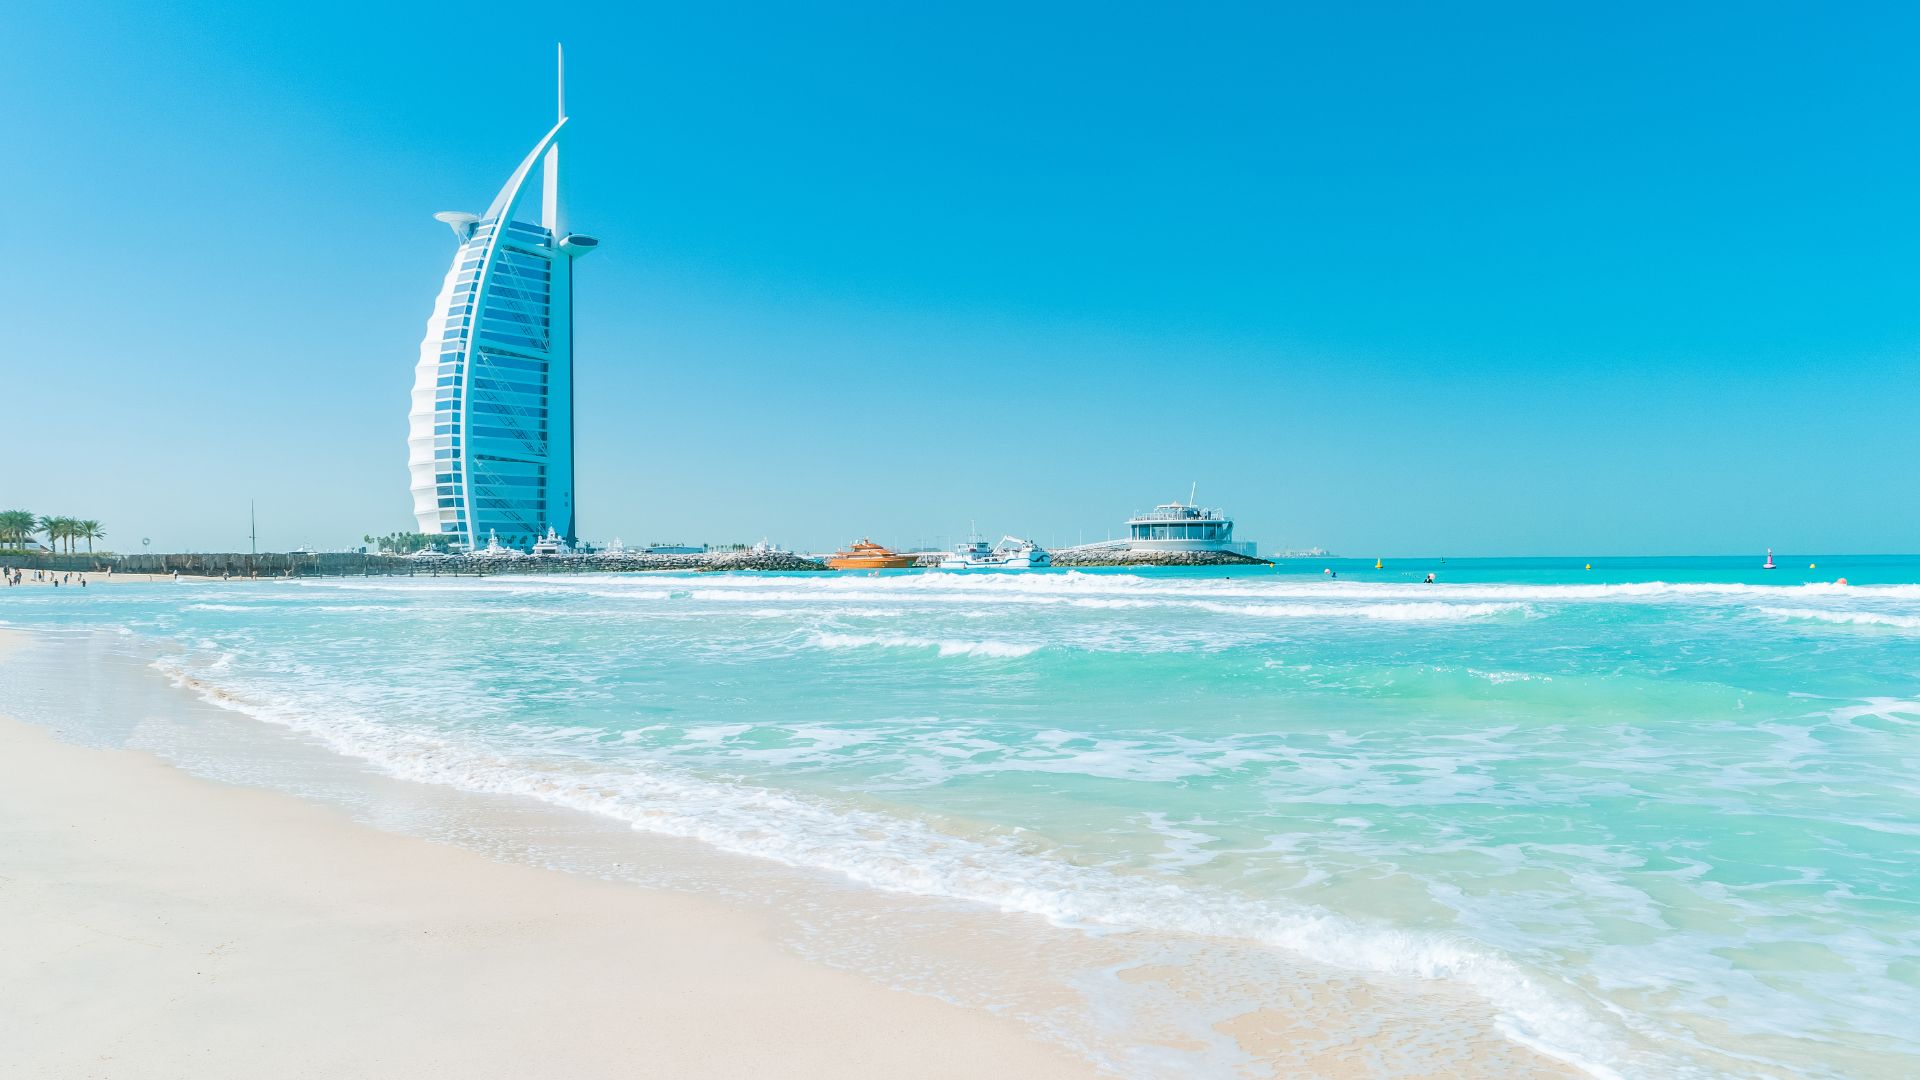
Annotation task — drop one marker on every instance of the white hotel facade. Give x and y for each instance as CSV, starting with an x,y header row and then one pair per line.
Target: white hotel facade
x,y
490,431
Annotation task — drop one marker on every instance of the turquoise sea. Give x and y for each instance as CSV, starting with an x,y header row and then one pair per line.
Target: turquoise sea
x,y
1656,818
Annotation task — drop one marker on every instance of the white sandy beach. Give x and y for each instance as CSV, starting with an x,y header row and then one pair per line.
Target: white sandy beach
x,y
153,924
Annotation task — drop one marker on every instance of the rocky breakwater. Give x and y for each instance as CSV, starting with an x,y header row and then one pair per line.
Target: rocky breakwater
x,y
620,562
1078,558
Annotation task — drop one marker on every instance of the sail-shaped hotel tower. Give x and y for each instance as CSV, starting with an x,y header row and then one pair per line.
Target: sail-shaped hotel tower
x,y
490,433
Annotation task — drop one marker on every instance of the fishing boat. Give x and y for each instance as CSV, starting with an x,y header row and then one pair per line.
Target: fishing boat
x,y
1011,553
867,555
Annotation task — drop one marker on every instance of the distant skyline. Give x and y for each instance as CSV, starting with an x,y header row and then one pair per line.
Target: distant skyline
x,y
1499,280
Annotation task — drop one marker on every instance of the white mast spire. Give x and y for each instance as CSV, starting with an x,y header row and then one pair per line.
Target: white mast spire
x,y
560,77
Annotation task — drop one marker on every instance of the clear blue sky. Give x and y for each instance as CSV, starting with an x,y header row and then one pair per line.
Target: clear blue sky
x,y
1513,279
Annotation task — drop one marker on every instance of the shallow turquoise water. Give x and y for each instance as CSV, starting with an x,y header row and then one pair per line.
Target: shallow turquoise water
x,y
1662,815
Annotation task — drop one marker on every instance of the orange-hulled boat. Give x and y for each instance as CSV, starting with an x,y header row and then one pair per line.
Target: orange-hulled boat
x,y
867,555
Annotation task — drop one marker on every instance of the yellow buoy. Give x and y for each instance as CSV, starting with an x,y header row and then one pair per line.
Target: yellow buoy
x,y
1589,566
1811,566
1378,564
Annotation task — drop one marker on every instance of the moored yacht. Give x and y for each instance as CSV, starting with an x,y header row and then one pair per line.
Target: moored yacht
x,y
1011,553
550,544
867,555
496,550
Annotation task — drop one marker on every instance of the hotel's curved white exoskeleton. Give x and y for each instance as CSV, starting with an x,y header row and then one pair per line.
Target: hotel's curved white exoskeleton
x,y
490,432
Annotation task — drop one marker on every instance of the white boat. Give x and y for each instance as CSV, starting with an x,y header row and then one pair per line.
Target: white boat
x,y
496,550
1011,553
551,544
1183,526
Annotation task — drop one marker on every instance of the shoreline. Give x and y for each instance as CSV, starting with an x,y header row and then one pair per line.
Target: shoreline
x,y
248,567
160,924
977,980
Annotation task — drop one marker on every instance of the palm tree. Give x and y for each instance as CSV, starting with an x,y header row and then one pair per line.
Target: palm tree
x,y
60,529
17,527
28,526
90,530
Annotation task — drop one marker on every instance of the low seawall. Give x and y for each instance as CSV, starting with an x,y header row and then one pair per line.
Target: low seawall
x,y
219,564
1088,558
355,564
623,562
1091,557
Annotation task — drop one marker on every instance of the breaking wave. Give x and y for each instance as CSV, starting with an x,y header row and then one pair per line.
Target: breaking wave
x,y
945,646
1409,612
903,855
1846,618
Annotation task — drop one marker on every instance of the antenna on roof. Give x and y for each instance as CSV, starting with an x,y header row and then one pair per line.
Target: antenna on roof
x,y
1192,493
560,77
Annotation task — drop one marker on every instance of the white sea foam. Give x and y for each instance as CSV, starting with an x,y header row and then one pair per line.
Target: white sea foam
x,y
945,646
355,609
904,855
1392,612
1126,591
1878,708
1185,847
1499,677
1846,618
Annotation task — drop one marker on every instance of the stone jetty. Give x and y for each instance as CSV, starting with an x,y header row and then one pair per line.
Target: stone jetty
x,y
357,564
603,562
1081,558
